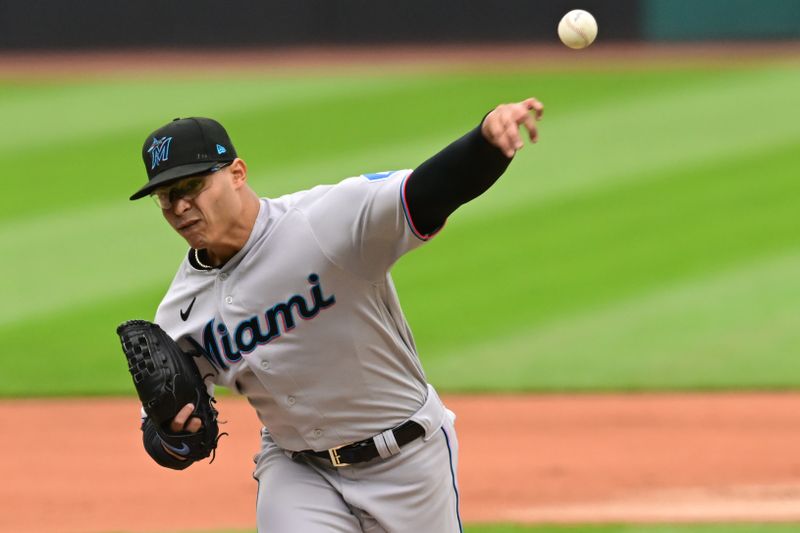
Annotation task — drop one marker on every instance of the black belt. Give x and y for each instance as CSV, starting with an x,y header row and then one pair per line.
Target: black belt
x,y
365,450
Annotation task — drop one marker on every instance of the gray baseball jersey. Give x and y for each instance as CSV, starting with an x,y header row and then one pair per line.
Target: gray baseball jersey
x,y
304,320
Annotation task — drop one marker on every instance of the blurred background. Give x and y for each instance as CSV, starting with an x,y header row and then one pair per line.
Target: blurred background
x,y
93,24
649,242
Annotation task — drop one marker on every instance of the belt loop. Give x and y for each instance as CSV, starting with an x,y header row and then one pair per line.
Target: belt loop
x,y
386,444
380,445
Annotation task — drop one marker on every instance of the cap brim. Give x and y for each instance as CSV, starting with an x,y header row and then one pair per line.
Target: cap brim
x,y
174,174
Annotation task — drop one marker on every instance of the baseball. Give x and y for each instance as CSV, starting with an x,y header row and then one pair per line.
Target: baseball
x,y
577,29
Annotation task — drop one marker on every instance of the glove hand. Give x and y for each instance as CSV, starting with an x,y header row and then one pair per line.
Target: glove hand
x,y
183,422
172,392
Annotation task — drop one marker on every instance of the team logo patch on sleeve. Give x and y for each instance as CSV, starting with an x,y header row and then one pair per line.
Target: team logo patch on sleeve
x,y
377,176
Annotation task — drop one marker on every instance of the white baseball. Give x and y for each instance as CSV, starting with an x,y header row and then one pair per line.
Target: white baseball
x,y
577,29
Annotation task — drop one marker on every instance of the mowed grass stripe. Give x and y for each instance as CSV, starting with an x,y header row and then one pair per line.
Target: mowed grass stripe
x,y
131,233
279,128
635,528
72,259
50,113
531,265
65,262
589,143
525,277
735,329
75,353
102,166
490,275
636,137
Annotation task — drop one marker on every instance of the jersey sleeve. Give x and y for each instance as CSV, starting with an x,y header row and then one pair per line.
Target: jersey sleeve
x,y
363,224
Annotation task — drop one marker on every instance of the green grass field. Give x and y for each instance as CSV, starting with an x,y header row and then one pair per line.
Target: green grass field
x,y
727,528
651,240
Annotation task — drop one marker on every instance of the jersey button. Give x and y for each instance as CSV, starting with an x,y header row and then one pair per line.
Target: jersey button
x,y
265,365
317,433
229,299
223,276
290,400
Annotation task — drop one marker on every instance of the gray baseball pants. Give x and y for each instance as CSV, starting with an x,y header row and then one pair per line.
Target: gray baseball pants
x,y
414,491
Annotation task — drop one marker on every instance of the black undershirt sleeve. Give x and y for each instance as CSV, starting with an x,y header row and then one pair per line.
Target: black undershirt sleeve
x,y
462,171
152,444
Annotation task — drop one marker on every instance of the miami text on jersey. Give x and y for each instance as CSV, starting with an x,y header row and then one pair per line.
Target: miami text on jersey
x,y
259,329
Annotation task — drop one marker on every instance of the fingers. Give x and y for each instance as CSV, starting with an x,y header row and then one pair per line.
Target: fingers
x,y
179,422
501,129
194,425
530,124
501,126
508,137
511,127
184,421
528,120
534,105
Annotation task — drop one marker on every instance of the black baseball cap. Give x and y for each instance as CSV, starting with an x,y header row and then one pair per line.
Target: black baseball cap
x,y
182,148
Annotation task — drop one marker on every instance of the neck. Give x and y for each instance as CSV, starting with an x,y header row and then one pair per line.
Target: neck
x,y
237,236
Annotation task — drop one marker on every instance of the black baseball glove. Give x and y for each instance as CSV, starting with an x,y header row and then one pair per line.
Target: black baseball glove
x,y
166,379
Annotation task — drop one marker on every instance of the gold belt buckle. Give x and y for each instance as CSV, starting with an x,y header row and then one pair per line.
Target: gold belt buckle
x,y
335,459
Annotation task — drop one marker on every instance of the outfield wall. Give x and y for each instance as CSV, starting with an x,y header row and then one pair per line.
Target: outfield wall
x,y
46,24
703,20
92,24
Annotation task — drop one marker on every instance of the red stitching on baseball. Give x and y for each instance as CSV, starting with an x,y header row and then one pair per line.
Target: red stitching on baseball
x,y
577,30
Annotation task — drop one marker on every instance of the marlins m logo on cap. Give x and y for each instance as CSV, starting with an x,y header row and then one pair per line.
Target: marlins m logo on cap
x,y
181,148
159,150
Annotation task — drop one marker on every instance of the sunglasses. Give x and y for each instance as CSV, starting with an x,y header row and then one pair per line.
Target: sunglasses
x,y
187,189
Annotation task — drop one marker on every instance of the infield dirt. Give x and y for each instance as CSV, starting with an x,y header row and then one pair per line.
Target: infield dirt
x,y
78,465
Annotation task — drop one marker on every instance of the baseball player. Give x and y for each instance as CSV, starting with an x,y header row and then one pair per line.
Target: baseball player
x,y
289,302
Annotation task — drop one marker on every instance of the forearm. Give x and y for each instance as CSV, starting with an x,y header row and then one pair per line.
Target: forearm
x,y
460,172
